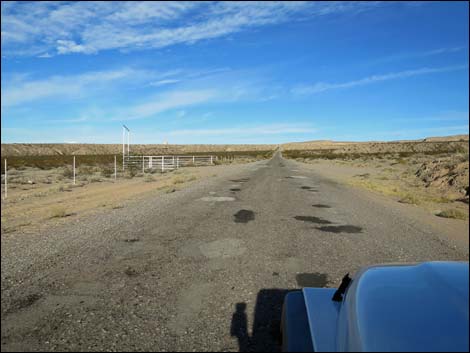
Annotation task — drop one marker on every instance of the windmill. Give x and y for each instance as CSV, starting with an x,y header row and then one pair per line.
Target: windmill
x,y
124,130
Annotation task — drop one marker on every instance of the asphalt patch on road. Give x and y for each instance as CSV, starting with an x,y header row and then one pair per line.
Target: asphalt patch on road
x,y
217,198
316,280
223,248
341,229
312,219
320,205
24,302
244,216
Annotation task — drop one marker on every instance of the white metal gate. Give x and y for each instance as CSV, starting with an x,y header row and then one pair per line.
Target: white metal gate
x,y
166,163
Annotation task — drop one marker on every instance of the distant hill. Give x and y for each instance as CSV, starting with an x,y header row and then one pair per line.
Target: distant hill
x,y
46,149
427,145
448,138
427,139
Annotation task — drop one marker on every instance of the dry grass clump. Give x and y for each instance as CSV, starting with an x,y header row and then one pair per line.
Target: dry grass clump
x,y
178,180
410,199
107,172
59,212
130,173
68,172
384,189
85,170
149,179
67,188
94,179
439,199
453,213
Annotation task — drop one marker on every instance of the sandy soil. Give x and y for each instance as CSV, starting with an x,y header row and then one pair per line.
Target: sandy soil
x,y
30,206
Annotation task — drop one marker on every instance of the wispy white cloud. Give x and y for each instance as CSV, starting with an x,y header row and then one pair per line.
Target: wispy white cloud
x,y
80,91
167,101
324,86
164,82
19,91
418,54
86,27
181,113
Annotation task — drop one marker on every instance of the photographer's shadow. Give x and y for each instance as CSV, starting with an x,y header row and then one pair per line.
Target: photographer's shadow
x,y
266,333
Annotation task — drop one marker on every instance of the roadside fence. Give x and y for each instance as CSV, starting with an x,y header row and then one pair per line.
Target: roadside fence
x,y
130,162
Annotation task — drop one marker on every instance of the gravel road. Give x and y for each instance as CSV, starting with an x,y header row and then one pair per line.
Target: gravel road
x,y
201,269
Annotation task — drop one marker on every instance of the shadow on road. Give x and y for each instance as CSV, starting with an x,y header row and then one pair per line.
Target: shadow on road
x,y
266,334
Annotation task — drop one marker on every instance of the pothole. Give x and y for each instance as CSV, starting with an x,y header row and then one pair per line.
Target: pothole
x,y
312,219
320,205
244,216
340,229
243,180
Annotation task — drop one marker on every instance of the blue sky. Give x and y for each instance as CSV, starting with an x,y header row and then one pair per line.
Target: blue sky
x,y
208,72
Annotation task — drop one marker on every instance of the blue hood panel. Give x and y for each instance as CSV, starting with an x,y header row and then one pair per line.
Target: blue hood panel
x,y
422,307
